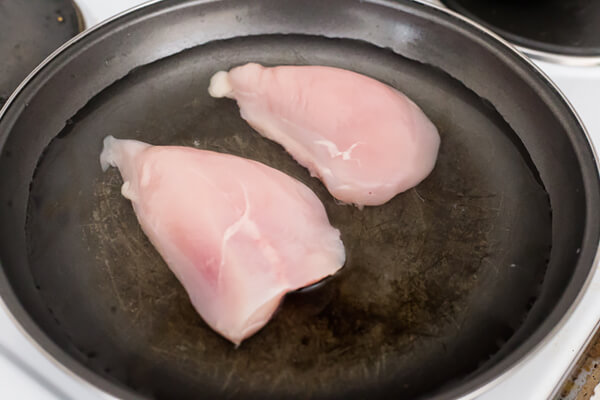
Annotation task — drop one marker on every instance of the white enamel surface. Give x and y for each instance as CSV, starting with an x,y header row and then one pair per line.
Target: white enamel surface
x,y
534,380
95,11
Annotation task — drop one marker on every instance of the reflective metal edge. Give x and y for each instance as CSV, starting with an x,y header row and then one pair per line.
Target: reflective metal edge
x,y
437,4
555,58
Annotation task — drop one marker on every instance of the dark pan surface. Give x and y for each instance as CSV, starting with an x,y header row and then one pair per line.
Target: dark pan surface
x,y
413,302
446,287
29,31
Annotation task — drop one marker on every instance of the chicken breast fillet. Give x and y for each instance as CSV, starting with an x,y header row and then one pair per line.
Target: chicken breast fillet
x,y
237,234
366,141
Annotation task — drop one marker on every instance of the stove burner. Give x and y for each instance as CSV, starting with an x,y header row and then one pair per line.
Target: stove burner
x,y
564,27
29,31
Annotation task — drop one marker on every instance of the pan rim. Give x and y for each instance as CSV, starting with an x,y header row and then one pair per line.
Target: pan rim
x,y
533,47
470,389
529,49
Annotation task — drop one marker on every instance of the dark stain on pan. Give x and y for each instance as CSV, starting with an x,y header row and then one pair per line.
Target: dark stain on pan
x,y
436,280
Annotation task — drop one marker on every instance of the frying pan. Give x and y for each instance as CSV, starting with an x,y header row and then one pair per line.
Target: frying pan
x,y
447,287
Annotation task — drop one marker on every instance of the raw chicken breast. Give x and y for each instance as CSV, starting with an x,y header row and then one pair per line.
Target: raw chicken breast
x,y
365,140
237,234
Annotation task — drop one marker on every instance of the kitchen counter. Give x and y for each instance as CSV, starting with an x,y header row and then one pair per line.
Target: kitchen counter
x,y
586,376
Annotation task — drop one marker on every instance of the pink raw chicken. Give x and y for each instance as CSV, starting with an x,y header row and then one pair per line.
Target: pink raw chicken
x,y
237,234
365,140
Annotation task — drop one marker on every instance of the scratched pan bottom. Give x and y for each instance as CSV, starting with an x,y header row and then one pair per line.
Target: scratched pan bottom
x,y
436,282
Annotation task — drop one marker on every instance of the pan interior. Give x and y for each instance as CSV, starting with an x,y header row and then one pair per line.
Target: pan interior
x,y
436,281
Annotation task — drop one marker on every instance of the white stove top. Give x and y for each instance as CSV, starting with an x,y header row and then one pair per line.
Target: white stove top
x,y
25,373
